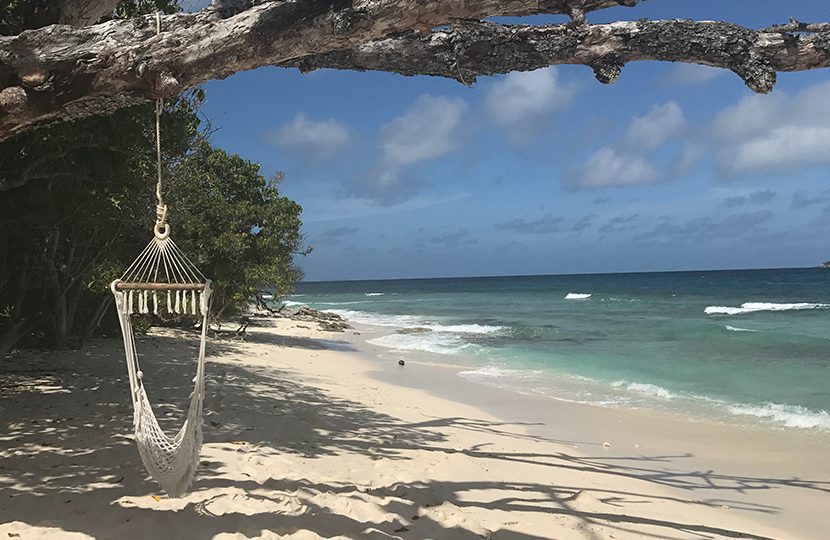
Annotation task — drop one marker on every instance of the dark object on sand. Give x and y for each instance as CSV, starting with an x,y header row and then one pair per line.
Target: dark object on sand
x,y
415,330
401,363
239,333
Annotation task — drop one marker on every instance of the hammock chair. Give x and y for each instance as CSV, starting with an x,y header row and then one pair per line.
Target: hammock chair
x,y
162,279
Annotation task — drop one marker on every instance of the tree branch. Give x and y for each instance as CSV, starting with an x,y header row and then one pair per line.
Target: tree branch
x,y
470,48
60,73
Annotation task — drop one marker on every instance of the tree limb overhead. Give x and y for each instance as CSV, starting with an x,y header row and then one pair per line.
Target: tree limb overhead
x,y
61,72
470,48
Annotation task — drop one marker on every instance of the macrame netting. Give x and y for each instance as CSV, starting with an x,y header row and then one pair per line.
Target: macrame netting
x,y
162,279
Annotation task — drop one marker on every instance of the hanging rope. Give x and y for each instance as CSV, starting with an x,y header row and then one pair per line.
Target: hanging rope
x,y
161,229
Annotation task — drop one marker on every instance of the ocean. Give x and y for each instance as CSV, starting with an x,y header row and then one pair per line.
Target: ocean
x,y
747,346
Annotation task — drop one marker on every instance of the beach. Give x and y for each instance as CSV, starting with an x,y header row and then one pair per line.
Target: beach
x,y
314,434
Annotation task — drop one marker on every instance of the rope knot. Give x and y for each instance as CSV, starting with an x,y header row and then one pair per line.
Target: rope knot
x,y
161,214
161,228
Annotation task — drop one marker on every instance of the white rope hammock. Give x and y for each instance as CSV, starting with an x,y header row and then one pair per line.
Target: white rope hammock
x,y
162,279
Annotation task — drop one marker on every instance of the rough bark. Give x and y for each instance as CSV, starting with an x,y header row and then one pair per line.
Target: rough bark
x,y
471,48
62,73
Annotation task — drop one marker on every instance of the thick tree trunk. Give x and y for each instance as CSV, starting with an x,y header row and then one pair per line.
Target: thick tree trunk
x,y
62,73
73,300
60,322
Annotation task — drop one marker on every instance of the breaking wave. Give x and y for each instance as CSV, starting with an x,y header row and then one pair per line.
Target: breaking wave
x,y
788,415
754,307
439,343
644,388
577,296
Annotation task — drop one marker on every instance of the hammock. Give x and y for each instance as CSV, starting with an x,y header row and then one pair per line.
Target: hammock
x,y
161,279
171,461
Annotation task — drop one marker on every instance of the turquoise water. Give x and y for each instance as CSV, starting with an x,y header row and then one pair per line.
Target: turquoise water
x,y
748,345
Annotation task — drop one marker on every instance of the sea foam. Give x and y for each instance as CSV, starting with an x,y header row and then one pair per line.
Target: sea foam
x,y
736,329
493,372
788,415
432,343
644,388
754,307
464,328
409,321
577,296
378,319
374,294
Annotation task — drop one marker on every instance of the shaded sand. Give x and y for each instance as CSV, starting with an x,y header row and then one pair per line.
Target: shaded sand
x,y
306,437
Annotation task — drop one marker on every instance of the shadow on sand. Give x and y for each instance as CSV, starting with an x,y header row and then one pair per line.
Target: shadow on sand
x,y
66,456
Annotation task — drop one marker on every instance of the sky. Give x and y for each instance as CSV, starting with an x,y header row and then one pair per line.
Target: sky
x,y
673,167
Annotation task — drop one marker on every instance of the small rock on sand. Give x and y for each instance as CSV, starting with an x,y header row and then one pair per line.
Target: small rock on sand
x,y
401,363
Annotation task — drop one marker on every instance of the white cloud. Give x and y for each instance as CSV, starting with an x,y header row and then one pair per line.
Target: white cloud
x,y
427,130
610,168
524,100
692,75
627,163
783,147
749,116
652,130
318,140
775,132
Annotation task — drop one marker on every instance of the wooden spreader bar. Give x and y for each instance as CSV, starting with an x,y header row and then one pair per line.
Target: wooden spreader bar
x,y
121,286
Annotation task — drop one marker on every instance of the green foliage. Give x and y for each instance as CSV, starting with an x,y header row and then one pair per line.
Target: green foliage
x,y
85,209
80,214
141,324
234,225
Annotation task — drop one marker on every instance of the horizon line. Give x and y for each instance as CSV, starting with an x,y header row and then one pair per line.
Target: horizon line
x,y
818,266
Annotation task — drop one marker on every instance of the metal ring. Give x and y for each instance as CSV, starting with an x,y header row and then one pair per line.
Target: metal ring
x,y
157,230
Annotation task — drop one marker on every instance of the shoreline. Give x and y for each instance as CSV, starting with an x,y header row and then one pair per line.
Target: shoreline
x,y
687,444
692,408
308,435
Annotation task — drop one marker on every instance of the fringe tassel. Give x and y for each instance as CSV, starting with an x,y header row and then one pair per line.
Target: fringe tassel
x,y
130,303
193,301
169,303
178,308
155,303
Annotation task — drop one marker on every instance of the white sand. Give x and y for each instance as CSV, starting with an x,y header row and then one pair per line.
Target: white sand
x,y
303,442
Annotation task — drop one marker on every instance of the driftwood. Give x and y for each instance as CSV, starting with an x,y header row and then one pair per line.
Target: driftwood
x,y
63,72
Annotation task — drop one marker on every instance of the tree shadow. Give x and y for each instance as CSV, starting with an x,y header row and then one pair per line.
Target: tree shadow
x,y
66,456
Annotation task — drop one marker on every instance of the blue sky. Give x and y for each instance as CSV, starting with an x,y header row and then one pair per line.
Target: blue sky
x,y
673,167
